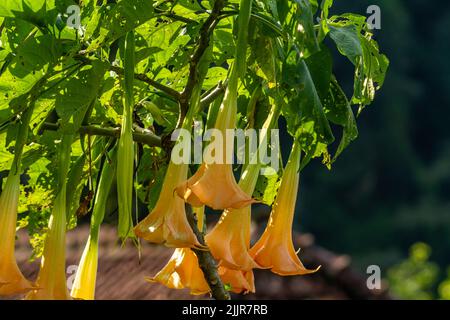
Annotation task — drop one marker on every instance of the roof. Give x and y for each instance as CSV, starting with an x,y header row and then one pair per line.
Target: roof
x,y
121,271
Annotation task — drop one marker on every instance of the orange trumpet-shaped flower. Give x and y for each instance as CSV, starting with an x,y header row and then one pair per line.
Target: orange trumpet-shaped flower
x,y
11,279
182,270
275,249
214,184
167,223
239,281
229,240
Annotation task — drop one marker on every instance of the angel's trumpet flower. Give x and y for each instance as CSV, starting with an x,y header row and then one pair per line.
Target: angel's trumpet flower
x,y
11,279
238,281
84,285
275,249
182,270
51,280
167,223
229,240
85,279
214,184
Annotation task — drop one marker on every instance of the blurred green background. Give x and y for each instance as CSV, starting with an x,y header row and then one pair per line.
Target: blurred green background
x,y
387,200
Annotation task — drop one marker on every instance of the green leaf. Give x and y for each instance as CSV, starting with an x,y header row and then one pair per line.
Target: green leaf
x,y
305,115
267,188
114,20
33,59
347,41
338,110
74,95
38,12
320,67
306,34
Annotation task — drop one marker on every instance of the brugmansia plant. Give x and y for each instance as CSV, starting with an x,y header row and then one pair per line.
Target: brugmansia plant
x,y
124,113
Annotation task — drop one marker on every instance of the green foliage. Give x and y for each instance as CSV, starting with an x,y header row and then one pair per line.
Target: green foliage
x,y
389,189
75,81
414,278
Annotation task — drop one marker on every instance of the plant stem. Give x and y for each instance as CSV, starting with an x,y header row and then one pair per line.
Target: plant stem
x,y
203,43
142,136
144,78
206,261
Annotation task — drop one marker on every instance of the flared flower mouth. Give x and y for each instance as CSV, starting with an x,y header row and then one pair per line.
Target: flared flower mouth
x,y
203,188
16,282
167,223
275,249
279,256
182,271
229,240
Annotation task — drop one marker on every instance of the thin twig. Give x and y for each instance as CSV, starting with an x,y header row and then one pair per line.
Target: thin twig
x,y
213,94
174,16
138,76
140,136
144,78
204,41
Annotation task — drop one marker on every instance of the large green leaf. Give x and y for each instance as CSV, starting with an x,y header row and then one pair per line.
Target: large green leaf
x,y
73,96
30,64
338,110
305,28
38,12
113,20
347,41
305,115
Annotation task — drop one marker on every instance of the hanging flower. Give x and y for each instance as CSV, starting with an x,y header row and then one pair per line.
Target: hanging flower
x,y
214,184
167,223
238,281
12,280
275,249
85,279
229,240
51,281
182,270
